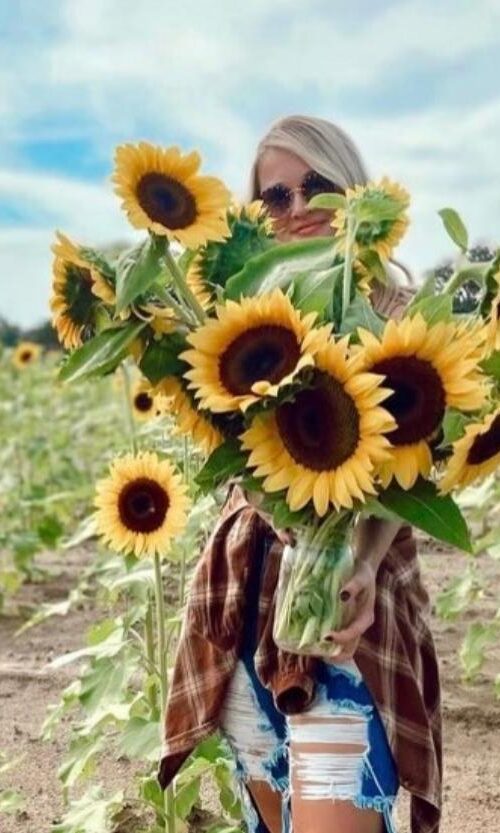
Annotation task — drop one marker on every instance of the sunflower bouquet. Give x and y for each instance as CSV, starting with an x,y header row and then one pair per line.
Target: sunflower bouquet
x,y
274,360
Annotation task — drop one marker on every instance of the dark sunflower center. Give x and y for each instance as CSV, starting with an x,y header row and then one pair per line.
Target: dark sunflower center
x,y
143,505
263,353
418,401
486,445
26,356
166,201
320,428
78,293
143,402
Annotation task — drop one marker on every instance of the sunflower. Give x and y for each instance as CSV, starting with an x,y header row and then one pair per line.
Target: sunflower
x,y
254,211
142,505
251,350
26,353
381,235
476,454
162,192
325,444
143,404
362,277
188,420
76,284
429,368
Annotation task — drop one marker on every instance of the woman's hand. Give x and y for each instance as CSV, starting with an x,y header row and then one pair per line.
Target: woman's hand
x,y
361,606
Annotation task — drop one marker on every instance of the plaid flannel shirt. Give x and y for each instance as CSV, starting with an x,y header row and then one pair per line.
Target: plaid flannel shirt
x,y
396,655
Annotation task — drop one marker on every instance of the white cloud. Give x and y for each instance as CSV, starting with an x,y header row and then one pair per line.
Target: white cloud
x,y
126,70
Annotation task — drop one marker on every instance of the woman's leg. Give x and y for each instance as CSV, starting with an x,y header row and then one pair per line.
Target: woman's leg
x,y
325,776
261,765
343,776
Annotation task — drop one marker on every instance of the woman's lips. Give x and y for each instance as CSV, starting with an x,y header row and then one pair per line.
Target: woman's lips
x,y
309,228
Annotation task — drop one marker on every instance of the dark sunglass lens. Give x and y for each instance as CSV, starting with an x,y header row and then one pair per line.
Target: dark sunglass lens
x,y
315,183
277,199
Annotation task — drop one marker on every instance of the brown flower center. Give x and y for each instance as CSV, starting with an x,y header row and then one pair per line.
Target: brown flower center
x,y
320,428
263,353
78,294
143,402
26,356
486,445
418,402
166,201
143,505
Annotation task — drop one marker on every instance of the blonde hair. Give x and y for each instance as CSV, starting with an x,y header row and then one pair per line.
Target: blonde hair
x,y
329,151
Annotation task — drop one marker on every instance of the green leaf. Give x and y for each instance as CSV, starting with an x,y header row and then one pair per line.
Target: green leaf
x,y
91,813
459,595
141,739
422,506
186,797
226,461
455,227
137,269
327,201
473,649
360,313
161,358
80,761
108,647
434,308
101,354
153,793
454,423
280,266
10,801
313,292
491,365
103,684
427,290
49,530
373,263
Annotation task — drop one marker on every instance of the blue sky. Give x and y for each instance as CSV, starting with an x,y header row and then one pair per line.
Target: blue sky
x,y
414,83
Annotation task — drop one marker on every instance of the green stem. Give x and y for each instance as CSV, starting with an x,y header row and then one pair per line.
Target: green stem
x,y
128,408
474,272
182,286
184,312
150,653
347,279
160,625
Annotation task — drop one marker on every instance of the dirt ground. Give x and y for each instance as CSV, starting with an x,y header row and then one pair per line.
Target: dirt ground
x,y
471,713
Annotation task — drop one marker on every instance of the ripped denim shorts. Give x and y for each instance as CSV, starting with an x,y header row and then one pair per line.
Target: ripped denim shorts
x,y
295,755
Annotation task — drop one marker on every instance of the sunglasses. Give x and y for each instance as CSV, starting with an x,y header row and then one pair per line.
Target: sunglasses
x,y
278,198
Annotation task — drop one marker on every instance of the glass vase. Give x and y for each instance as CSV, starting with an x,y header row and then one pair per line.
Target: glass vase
x,y
312,573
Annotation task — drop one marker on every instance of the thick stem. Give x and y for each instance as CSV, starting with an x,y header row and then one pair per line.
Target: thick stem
x,y
347,279
181,285
161,640
128,408
149,639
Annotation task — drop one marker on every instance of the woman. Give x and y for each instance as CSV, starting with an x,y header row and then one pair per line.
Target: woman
x,y
320,743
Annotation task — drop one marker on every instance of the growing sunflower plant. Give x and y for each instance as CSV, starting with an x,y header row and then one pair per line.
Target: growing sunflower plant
x,y
275,361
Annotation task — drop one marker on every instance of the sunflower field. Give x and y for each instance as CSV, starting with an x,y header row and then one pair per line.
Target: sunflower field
x,y
206,355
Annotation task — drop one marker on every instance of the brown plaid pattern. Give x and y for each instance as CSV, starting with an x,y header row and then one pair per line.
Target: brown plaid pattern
x,y
396,655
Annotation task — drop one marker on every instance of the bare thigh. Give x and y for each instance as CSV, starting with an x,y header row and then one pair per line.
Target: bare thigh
x,y
268,803
325,775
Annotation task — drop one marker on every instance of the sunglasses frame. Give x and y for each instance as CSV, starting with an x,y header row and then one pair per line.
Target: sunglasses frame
x,y
286,193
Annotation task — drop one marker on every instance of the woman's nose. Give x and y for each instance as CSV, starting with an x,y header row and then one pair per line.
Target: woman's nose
x,y
298,205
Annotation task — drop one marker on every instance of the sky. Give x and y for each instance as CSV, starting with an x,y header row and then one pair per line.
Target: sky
x,y
413,83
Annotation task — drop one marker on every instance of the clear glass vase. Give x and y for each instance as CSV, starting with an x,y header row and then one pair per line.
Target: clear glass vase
x,y
312,573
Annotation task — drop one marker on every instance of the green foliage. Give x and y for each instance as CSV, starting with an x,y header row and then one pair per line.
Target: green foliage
x,y
218,261
281,265
225,461
455,227
102,354
92,813
422,506
161,358
138,269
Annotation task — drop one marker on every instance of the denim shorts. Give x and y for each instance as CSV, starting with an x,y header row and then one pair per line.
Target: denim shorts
x,y
267,746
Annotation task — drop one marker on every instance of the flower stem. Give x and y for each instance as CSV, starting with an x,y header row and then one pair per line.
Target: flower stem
x,y
162,655
182,286
150,653
347,279
128,408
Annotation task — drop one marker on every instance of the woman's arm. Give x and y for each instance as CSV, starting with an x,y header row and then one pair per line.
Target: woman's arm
x,y
372,539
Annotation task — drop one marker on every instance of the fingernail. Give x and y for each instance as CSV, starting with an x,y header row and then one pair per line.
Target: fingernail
x,y
345,595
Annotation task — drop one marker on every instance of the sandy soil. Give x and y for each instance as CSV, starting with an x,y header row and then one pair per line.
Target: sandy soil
x,y
471,713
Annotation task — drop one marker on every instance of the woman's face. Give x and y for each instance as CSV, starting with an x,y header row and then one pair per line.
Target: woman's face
x,y
281,167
